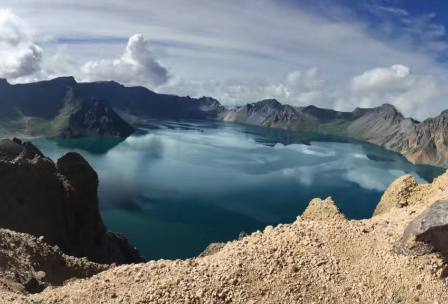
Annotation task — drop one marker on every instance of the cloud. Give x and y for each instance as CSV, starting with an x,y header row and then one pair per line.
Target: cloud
x,y
19,55
396,85
372,178
300,88
238,62
379,78
416,95
137,66
297,88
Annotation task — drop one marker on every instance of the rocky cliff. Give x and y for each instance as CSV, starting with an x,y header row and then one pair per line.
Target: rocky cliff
x,y
420,142
397,256
58,202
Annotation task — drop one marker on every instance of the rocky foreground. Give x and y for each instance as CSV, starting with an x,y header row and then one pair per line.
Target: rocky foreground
x,y
397,256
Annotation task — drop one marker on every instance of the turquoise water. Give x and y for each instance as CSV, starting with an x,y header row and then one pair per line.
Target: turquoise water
x,y
173,188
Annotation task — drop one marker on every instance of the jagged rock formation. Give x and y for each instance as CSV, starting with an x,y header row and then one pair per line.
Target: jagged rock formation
x,y
57,201
429,143
90,119
420,142
316,259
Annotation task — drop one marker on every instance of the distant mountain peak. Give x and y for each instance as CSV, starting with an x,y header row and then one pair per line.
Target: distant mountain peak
x,y
67,80
4,81
269,102
387,106
389,111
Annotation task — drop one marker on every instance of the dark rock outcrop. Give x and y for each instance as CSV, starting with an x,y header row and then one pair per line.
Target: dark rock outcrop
x,y
427,233
95,118
57,201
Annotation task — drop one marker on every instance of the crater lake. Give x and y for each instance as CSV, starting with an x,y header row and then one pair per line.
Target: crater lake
x,y
173,188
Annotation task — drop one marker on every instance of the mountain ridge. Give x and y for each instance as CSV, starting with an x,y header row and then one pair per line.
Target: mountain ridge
x,y
108,108
420,142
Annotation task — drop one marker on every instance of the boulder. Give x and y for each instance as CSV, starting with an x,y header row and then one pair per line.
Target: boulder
x,y
427,233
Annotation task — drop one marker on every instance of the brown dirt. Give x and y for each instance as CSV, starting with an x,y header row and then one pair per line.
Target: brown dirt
x,y
320,258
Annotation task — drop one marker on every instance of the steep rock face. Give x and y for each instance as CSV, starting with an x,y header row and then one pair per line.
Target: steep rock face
x,y
420,142
270,113
383,126
94,118
256,113
429,144
58,202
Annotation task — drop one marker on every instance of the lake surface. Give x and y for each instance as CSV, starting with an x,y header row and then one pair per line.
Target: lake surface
x,y
173,188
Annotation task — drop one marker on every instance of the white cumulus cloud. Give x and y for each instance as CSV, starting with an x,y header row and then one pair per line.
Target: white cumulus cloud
x,y
136,66
299,88
19,55
409,92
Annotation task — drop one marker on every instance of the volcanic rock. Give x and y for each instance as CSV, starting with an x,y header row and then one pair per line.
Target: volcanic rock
x,y
58,202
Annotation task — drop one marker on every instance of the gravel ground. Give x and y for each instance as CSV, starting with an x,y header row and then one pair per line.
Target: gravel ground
x,y
320,258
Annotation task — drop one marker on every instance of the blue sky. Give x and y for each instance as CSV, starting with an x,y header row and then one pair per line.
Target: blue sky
x,y
336,54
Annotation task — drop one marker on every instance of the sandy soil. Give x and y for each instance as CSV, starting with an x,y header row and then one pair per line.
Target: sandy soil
x,y
320,258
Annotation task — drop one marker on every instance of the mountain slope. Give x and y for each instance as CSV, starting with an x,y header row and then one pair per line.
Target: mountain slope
x,y
64,108
53,109
429,142
420,142
143,103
